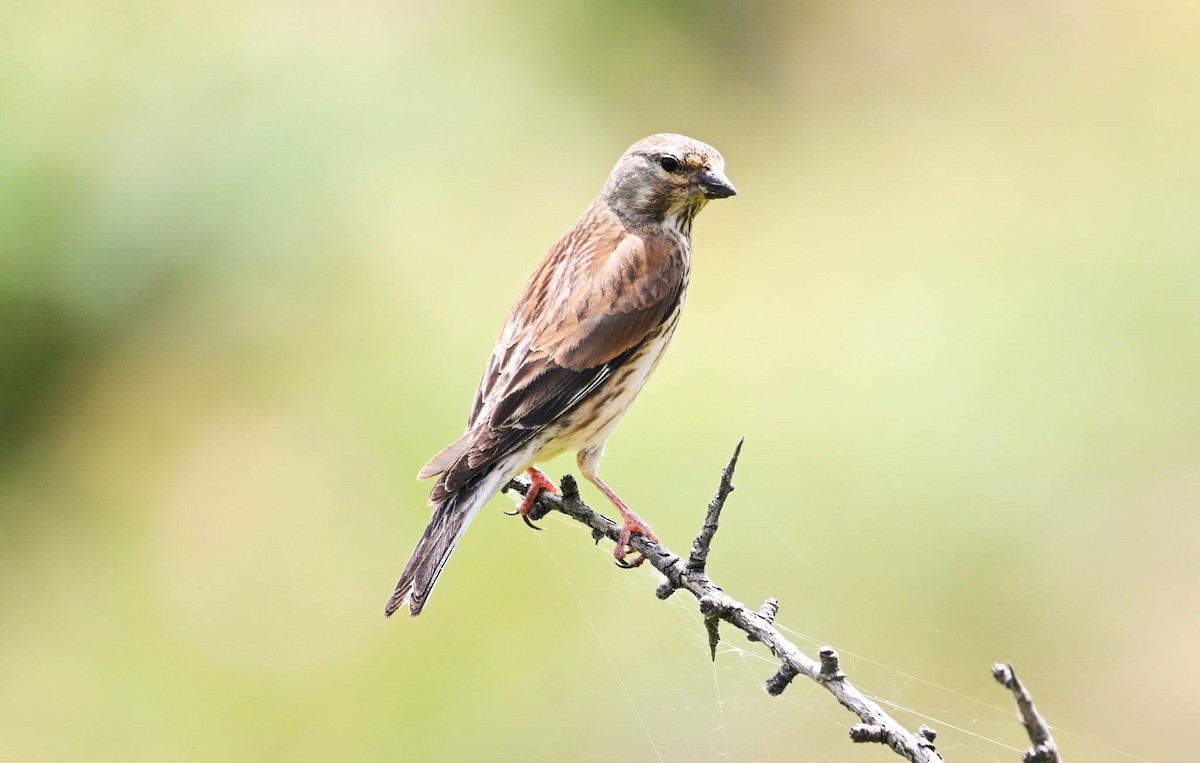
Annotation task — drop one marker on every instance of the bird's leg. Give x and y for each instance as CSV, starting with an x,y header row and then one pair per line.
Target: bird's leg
x,y
538,481
631,523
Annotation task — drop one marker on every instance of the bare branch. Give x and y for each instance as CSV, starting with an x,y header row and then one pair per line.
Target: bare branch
x,y
1044,749
716,605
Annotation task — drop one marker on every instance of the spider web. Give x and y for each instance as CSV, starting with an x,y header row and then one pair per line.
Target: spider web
x,y
724,713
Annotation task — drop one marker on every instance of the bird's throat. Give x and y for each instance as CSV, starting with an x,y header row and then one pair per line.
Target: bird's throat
x,y
680,215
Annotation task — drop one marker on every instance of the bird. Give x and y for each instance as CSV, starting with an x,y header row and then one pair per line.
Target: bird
x,y
586,332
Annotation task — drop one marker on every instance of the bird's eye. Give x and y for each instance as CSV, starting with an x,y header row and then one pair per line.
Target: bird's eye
x,y
668,163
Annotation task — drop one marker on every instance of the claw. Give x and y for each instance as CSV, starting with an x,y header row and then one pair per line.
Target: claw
x,y
631,524
538,482
525,515
638,558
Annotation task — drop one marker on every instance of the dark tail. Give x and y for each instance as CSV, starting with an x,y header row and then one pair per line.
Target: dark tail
x,y
450,520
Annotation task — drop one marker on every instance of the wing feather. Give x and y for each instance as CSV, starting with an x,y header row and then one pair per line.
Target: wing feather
x,y
599,293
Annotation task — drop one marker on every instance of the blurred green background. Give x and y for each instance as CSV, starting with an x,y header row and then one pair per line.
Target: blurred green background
x,y
254,255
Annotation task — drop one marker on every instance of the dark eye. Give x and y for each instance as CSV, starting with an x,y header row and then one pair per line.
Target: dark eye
x,y
668,163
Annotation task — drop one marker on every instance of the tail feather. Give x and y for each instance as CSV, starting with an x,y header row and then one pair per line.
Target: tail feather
x,y
450,520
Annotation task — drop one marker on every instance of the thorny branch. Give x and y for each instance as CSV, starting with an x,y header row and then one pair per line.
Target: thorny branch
x,y
759,626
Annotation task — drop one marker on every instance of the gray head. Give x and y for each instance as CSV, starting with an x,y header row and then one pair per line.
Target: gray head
x,y
666,178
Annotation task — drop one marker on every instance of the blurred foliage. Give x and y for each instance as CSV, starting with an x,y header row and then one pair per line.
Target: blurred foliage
x,y
253,257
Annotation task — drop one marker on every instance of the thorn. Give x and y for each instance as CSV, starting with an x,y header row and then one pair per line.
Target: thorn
x,y
928,735
868,732
778,682
569,487
714,635
767,611
712,610
1003,674
830,670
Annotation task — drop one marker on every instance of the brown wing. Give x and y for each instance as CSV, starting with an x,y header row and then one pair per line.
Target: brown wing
x,y
592,302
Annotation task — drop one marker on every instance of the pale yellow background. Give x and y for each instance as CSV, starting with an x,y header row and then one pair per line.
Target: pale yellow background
x,y
254,255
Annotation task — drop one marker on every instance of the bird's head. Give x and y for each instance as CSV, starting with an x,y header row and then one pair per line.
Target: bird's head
x,y
666,178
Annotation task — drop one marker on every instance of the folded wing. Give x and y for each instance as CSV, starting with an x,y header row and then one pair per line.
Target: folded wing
x,y
585,311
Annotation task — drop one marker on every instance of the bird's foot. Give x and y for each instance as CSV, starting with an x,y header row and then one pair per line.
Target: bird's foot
x,y
538,481
631,523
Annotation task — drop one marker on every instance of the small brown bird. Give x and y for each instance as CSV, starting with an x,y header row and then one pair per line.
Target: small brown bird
x,y
587,331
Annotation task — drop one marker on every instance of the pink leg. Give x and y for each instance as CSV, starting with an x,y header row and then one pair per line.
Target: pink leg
x,y
589,462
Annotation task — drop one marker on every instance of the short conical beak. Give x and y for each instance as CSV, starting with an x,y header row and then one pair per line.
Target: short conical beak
x,y
715,185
